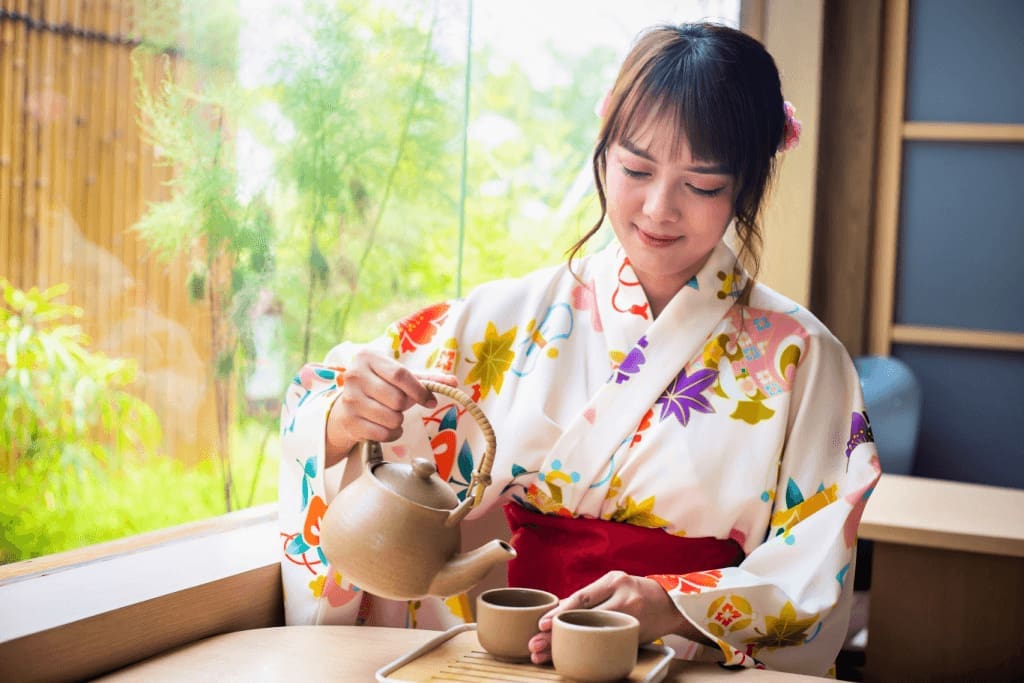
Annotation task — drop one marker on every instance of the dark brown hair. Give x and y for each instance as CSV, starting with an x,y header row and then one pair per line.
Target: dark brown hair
x,y
721,89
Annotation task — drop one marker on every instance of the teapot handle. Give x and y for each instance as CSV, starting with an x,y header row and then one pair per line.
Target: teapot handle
x,y
481,479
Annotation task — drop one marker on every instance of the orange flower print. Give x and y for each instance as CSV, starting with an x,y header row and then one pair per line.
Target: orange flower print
x,y
314,515
732,612
417,329
445,357
691,583
727,614
645,422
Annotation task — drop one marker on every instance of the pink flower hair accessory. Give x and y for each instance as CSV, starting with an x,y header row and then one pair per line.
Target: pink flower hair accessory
x,y
793,127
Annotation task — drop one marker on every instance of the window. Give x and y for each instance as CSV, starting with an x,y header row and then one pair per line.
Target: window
x,y
197,197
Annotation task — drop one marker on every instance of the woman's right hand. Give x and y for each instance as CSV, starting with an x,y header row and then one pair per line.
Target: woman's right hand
x,y
377,390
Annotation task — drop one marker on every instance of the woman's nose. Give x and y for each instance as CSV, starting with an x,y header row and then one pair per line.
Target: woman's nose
x,y
660,203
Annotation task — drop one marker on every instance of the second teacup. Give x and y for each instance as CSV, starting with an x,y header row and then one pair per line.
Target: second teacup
x,y
506,620
594,644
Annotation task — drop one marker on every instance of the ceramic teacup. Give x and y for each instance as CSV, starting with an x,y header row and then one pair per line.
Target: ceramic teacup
x,y
594,644
506,619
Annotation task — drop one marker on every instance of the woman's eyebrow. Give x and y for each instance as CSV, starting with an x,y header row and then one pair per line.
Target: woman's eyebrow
x,y
709,168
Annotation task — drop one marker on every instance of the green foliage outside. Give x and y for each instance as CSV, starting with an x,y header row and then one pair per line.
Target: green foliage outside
x,y
45,507
356,225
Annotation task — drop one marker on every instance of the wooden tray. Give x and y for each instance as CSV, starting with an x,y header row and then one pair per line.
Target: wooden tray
x,y
456,655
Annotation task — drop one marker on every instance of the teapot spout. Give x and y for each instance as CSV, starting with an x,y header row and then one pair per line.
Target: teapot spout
x,y
465,570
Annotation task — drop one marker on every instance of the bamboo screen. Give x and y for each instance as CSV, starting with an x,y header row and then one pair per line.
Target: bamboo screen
x,y
75,175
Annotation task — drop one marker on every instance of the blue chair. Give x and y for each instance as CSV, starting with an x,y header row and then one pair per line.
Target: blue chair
x,y
892,396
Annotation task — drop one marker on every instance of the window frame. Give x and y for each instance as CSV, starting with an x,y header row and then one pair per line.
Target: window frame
x,y
105,606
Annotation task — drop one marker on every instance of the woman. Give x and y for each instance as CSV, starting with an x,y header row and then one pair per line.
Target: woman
x,y
675,441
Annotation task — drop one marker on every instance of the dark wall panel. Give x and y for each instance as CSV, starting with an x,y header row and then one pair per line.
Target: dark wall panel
x,y
962,236
965,61
972,428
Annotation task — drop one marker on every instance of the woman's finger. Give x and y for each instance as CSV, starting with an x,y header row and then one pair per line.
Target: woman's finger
x,y
593,595
540,648
410,390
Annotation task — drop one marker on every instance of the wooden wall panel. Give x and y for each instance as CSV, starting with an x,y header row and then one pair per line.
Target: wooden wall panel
x,y
844,211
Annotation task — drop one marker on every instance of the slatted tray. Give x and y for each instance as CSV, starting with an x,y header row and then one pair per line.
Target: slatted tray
x,y
456,655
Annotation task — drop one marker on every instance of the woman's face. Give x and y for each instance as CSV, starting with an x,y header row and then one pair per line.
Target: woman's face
x,y
668,213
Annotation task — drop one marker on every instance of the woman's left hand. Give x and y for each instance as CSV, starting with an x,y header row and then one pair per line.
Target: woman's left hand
x,y
641,597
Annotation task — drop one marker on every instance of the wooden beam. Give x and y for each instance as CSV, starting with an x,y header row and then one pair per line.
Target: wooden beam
x,y
887,185
846,168
958,338
963,132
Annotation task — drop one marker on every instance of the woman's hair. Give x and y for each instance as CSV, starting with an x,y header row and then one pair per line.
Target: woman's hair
x,y
721,89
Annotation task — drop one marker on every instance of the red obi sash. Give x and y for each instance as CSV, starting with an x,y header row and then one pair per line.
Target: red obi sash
x,y
563,554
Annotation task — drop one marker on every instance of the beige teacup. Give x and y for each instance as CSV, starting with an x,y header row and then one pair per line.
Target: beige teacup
x,y
506,619
594,644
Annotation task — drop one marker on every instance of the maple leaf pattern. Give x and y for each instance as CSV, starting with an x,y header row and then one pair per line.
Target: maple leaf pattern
x,y
784,630
686,393
493,359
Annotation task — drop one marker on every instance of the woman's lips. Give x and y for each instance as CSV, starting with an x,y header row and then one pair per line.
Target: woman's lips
x,y
656,240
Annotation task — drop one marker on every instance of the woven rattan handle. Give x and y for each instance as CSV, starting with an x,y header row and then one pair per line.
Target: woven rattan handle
x,y
481,479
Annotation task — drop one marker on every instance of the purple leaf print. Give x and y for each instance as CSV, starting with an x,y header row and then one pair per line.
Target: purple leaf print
x,y
860,432
630,365
686,394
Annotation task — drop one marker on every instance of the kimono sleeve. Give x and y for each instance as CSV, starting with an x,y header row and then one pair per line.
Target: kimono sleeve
x,y
313,593
787,605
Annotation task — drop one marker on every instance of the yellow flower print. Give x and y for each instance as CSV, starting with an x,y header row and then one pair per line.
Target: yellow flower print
x,y
784,630
493,359
639,514
317,585
732,612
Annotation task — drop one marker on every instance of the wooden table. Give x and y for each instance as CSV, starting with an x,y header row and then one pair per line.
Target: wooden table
x,y
333,653
947,581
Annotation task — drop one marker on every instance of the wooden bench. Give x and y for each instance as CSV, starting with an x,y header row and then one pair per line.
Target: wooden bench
x,y
947,581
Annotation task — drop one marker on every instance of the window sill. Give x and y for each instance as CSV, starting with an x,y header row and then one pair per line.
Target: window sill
x,y
86,612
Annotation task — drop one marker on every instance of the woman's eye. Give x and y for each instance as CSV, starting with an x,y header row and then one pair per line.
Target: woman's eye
x,y
706,192
633,173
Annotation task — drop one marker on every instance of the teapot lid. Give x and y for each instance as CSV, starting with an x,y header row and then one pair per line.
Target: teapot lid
x,y
418,482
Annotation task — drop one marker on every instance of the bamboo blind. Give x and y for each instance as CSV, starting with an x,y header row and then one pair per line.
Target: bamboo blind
x,y
75,175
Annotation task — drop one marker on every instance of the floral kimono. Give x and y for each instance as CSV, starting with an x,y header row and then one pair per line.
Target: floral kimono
x,y
717,419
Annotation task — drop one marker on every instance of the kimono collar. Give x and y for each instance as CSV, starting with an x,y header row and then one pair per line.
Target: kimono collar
x,y
646,357
625,312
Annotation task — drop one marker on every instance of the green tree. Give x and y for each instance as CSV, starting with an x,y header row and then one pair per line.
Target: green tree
x,y
190,118
366,164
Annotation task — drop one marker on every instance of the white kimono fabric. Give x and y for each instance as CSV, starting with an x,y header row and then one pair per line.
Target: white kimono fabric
x,y
716,419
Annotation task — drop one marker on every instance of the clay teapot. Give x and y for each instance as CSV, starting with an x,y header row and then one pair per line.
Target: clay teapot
x,y
394,530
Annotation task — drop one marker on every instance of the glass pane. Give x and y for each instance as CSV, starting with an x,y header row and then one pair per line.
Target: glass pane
x,y
959,254
971,414
965,61
250,183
